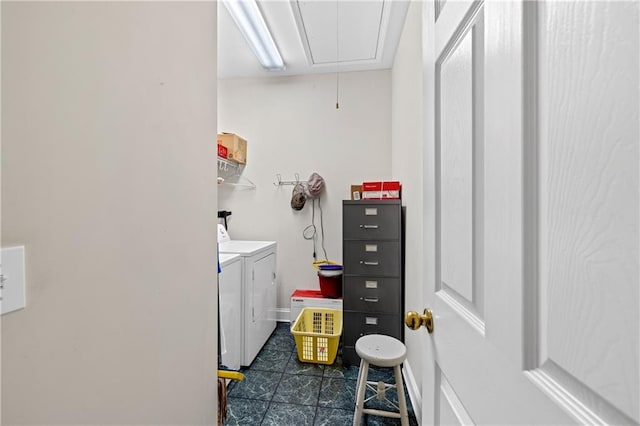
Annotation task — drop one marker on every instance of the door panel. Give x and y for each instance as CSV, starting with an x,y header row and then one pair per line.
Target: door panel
x,y
531,212
452,411
456,141
459,141
588,183
447,416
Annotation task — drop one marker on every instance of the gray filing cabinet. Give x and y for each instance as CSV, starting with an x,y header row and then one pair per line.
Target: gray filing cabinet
x,y
373,285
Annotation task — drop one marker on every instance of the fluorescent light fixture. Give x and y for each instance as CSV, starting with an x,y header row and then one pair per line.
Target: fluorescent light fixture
x,y
249,20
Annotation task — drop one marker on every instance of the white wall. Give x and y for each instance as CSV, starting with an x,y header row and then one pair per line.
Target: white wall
x,y
406,122
292,126
108,179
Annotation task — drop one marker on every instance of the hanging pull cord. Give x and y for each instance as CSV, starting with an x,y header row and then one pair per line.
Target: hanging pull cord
x,y
324,250
337,55
311,232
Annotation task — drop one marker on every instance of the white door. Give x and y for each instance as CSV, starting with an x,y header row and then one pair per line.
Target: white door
x,y
531,212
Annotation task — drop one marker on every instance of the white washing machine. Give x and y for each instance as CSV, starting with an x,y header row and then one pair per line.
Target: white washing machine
x,y
230,294
259,293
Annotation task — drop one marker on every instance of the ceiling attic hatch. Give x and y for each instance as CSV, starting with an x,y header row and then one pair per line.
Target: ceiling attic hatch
x,y
361,32
305,33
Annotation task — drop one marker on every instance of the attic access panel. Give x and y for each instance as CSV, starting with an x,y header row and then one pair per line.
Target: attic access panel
x,y
361,32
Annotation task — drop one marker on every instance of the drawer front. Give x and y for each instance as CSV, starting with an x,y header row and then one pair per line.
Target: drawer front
x,y
372,294
357,324
376,221
373,258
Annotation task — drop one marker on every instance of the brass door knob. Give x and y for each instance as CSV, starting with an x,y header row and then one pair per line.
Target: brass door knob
x,y
414,320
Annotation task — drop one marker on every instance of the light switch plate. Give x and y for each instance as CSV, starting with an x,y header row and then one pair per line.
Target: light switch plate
x,y
13,279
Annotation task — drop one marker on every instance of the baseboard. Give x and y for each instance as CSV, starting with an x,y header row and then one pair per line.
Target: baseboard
x,y
415,394
283,315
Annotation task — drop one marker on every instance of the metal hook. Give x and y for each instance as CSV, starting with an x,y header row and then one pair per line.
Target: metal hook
x,y
280,182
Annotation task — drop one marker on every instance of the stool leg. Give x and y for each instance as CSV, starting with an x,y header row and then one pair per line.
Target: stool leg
x,y
404,416
361,389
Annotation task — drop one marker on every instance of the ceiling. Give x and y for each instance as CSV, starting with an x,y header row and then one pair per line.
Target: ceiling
x,y
305,32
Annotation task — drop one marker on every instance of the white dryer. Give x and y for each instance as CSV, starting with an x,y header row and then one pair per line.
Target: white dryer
x,y
259,293
230,294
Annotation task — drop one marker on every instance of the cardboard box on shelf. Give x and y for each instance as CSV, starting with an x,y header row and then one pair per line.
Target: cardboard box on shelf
x,y
236,147
381,190
356,192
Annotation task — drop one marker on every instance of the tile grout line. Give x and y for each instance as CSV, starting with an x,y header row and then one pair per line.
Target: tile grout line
x,y
274,391
315,416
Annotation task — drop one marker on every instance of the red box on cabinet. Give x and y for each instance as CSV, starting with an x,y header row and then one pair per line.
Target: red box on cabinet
x,y
381,190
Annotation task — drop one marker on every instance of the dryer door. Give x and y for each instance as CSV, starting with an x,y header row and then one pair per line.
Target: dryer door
x,y
230,293
262,303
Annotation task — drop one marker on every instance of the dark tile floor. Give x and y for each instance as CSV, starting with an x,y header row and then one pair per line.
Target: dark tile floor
x,y
281,391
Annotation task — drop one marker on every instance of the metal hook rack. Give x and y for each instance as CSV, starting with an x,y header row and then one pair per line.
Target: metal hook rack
x,y
230,173
280,182
225,165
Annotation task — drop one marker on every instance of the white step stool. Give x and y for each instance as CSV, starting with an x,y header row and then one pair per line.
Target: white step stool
x,y
381,351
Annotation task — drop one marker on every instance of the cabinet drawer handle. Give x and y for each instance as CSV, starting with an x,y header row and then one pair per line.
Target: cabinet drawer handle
x,y
369,226
376,263
370,299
